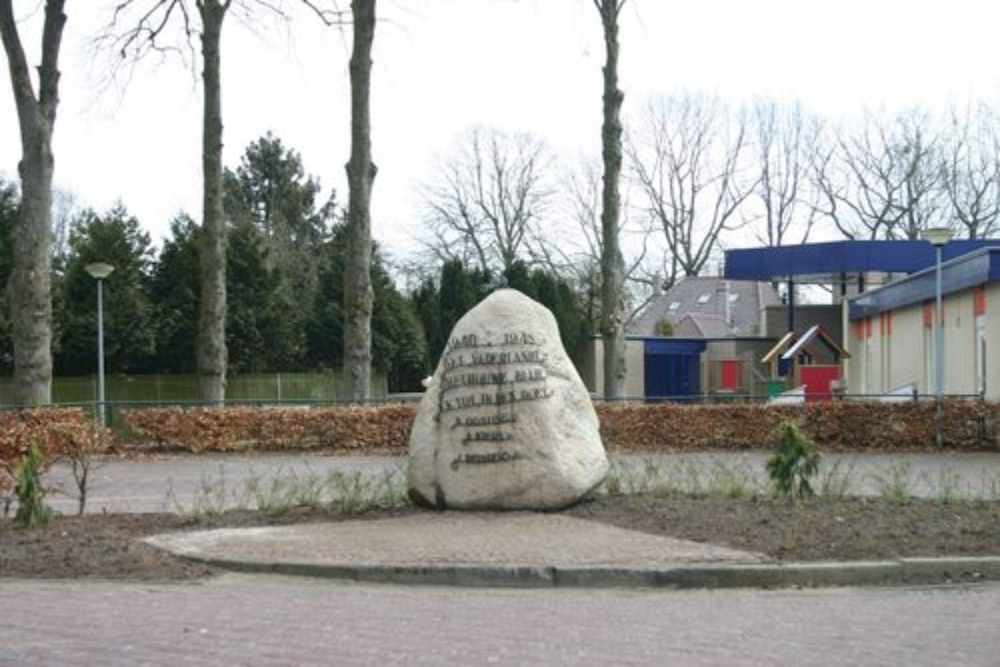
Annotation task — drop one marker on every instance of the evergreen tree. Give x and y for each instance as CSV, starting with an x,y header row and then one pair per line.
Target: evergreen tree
x,y
175,289
129,332
439,307
258,331
399,349
270,192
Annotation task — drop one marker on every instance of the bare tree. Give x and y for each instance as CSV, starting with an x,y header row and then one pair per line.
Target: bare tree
x,y
612,264
487,198
575,250
970,170
361,170
882,181
211,347
30,282
687,162
151,26
785,137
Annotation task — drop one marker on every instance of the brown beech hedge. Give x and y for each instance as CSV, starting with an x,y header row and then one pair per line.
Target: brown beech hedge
x,y
833,426
57,432
363,430
627,427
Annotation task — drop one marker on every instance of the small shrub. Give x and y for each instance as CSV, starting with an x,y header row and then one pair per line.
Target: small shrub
x,y
793,464
894,486
835,482
31,508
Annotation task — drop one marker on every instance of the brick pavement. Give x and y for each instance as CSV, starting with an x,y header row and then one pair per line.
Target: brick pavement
x,y
248,620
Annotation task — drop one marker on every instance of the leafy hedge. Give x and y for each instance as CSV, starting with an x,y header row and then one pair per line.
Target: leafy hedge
x,y
833,426
57,432
629,427
368,430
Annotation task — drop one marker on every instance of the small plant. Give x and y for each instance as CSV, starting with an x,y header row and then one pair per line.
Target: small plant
x,y
613,482
834,483
32,511
793,464
949,487
355,493
895,486
81,460
732,481
211,498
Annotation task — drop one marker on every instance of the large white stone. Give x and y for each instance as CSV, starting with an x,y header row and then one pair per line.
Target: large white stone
x,y
506,422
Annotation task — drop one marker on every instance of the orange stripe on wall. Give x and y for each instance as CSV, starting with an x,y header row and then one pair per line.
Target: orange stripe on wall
x,y
979,300
928,313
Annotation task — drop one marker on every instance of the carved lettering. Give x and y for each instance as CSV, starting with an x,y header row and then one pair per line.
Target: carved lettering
x,y
490,457
489,378
485,420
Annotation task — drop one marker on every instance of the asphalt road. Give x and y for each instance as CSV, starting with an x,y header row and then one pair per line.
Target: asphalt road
x,y
180,483
249,620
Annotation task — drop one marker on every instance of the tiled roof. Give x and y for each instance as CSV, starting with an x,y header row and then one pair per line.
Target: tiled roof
x,y
706,297
701,325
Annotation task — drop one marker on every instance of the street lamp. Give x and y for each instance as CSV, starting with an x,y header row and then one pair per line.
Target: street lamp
x,y
99,271
938,237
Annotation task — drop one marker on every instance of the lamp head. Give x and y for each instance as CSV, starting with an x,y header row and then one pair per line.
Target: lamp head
x,y
99,270
937,236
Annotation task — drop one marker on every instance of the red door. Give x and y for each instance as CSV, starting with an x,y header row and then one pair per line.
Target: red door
x,y
817,381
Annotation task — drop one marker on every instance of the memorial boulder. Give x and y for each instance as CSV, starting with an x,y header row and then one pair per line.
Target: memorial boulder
x,y
505,422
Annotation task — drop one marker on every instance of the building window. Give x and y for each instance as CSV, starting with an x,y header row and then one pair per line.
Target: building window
x,y
674,305
703,299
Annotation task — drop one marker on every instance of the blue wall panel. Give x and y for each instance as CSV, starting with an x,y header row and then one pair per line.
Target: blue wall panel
x,y
673,368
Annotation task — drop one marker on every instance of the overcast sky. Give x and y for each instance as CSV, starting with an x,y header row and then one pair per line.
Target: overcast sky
x,y
444,65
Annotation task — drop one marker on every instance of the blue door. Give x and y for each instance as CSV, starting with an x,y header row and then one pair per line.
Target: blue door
x,y
673,368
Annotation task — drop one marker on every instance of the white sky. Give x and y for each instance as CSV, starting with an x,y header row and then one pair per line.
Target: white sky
x,y
444,65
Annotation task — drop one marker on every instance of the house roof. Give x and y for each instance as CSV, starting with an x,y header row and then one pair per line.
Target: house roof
x,y
702,325
698,296
792,343
970,270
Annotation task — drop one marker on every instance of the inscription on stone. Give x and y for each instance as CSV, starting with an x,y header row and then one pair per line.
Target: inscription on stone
x,y
482,382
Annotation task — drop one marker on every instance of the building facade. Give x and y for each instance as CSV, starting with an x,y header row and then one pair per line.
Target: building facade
x,y
889,331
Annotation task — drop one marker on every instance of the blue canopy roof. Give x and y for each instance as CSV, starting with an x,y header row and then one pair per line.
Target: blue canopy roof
x,y
816,262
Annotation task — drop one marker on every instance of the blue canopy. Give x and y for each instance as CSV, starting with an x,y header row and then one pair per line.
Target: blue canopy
x,y
816,262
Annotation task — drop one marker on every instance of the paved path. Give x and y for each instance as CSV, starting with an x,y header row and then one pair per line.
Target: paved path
x,y
250,620
173,483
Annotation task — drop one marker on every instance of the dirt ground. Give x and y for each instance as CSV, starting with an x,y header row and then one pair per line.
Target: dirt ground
x,y
107,546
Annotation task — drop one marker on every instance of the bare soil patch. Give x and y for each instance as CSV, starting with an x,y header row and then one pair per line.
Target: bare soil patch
x,y
108,546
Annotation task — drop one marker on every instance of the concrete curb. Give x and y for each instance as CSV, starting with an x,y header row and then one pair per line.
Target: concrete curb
x,y
903,571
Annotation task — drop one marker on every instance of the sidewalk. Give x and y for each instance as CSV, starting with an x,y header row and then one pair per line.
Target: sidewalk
x,y
532,549
162,484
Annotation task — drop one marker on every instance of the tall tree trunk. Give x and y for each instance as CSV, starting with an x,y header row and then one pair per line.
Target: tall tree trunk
x,y
361,171
212,319
612,264
30,280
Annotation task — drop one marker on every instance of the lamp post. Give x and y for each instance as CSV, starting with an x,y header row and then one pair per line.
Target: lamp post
x,y
99,271
938,237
